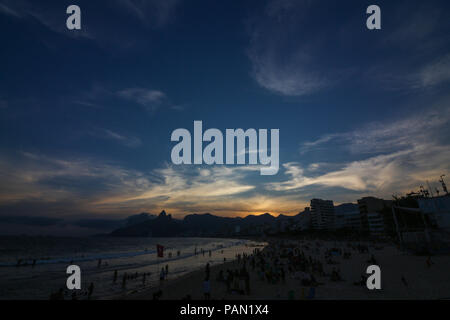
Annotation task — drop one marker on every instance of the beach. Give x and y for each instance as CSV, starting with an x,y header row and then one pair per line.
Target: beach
x,y
403,276
35,267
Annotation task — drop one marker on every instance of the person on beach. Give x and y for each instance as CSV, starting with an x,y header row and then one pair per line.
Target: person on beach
x,y
115,277
99,263
124,280
167,269
161,275
404,281
207,289
229,280
90,290
157,295
247,282
59,295
207,270
144,278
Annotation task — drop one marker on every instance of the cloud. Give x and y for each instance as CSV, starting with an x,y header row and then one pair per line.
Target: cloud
x,y
47,15
395,157
179,184
415,67
434,73
30,220
128,141
381,175
102,30
277,64
78,186
150,99
151,12
388,136
8,11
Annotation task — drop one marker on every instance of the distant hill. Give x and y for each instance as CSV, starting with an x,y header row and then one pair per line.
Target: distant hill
x,y
161,226
138,218
197,225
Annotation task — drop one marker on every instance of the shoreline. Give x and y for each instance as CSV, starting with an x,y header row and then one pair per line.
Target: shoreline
x,y
422,282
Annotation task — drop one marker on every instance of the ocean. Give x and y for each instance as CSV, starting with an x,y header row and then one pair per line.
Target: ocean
x,y
52,255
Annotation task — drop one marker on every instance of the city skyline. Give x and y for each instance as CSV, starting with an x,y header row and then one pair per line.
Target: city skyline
x,y
86,116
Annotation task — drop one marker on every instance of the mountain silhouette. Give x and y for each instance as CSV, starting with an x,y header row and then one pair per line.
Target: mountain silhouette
x,y
199,225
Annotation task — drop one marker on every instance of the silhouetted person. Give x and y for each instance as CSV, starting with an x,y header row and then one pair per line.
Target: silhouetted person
x,y
429,262
90,290
59,295
207,270
157,295
124,280
404,281
115,276
161,275
207,288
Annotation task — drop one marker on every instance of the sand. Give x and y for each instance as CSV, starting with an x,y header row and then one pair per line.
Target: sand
x,y
423,282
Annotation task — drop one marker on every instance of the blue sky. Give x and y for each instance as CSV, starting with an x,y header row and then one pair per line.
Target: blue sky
x,y
86,116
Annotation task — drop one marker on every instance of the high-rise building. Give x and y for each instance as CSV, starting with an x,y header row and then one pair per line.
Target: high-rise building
x,y
322,214
376,218
347,217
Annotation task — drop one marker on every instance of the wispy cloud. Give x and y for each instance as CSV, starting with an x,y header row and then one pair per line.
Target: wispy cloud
x,y
388,136
52,17
150,99
277,64
105,31
396,157
37,181
151,12
424,66
126,140
434,73
8,11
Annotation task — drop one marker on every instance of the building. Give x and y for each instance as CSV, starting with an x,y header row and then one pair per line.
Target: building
x,y
376,224
322,214
376,216
438,211
347,217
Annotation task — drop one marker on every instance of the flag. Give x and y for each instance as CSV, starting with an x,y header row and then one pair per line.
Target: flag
x,y
160,250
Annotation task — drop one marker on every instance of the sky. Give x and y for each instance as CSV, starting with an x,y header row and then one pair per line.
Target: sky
x,y
86,115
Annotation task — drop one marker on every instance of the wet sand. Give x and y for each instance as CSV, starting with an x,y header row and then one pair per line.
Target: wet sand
x,y
423,282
